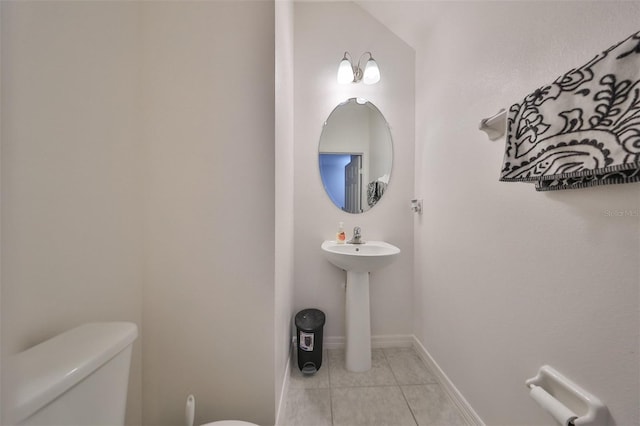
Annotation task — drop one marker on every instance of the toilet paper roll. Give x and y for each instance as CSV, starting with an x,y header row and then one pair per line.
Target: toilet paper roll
x,y
559,411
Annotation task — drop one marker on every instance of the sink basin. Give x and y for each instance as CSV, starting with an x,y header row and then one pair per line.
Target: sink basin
x,y
359,260
367,257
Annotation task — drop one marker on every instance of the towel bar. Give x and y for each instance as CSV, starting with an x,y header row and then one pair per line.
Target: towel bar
x,y
495,126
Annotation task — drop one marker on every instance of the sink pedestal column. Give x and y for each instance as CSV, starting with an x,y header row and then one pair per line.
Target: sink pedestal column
x,y
358,322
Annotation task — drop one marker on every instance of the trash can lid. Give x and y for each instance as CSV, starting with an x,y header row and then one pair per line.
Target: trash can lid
x,y
310,319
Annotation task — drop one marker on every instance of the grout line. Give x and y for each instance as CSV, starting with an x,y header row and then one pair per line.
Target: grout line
x,y
415,419
400,387
370,386
390,368
402,392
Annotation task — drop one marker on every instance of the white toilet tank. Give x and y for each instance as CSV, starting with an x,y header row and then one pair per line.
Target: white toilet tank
x,y
79,377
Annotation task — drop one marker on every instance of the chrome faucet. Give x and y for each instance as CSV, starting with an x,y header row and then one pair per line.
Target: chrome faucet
x,y
356,236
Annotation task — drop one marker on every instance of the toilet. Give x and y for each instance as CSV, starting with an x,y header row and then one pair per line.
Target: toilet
x,y
79,377
76,378
229,423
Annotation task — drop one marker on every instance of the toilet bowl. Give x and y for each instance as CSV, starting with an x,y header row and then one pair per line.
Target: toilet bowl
x,y
190,410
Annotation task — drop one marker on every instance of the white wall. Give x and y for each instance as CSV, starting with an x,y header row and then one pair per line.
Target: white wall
x,y
1,133
209,294
323,32
284,115
71,187
508,279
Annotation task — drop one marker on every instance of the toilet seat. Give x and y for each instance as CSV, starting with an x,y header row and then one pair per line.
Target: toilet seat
x,y
190,411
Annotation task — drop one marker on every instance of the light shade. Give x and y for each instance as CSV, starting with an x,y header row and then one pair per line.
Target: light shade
x,y
348,72
345,72
371,72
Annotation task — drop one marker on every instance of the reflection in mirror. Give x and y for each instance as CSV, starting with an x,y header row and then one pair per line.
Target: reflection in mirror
x,y
355,155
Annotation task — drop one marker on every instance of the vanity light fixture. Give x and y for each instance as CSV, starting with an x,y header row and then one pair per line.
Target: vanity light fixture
x,y
349,73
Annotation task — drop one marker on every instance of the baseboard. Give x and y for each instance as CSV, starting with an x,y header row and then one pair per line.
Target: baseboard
x,y
285,388
465,409
382,341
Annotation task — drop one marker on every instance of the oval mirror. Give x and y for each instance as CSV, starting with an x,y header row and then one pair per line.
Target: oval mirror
x,y
355,155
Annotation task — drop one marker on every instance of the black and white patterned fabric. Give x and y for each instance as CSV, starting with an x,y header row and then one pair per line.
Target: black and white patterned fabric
x,y
583,129
375,189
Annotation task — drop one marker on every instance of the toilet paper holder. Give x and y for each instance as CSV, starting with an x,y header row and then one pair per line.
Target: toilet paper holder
x,y
568,403
416,205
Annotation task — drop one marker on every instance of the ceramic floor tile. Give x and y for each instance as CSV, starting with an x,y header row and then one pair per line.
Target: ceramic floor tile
x,y
370,406
297,380
431,406
335,396
308,407
379,375
407,367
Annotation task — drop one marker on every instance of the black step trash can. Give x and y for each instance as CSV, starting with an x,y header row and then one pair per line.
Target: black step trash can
x,y
309,323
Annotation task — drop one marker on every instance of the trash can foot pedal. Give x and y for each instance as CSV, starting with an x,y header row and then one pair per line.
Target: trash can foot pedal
x,y
309,368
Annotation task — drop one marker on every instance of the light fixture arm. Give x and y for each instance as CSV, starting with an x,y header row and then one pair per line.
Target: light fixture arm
x,y
357,69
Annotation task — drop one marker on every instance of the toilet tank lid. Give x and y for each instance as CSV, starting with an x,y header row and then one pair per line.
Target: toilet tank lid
x,y
43,372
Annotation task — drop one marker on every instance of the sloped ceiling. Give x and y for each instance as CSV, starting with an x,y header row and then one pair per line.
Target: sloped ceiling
x,y
409,20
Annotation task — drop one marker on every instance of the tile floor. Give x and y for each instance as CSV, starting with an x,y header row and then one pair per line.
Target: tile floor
x,y
398,390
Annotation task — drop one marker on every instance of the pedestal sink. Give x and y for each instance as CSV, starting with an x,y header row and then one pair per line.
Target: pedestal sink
x,y
359,260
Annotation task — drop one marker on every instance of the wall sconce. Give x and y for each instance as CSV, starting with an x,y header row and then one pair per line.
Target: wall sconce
x,y
349,73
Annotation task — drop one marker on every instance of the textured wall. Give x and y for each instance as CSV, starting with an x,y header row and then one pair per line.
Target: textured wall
x,y
509,279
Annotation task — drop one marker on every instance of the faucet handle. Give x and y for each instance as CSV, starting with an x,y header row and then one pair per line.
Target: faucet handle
x,y
356,236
